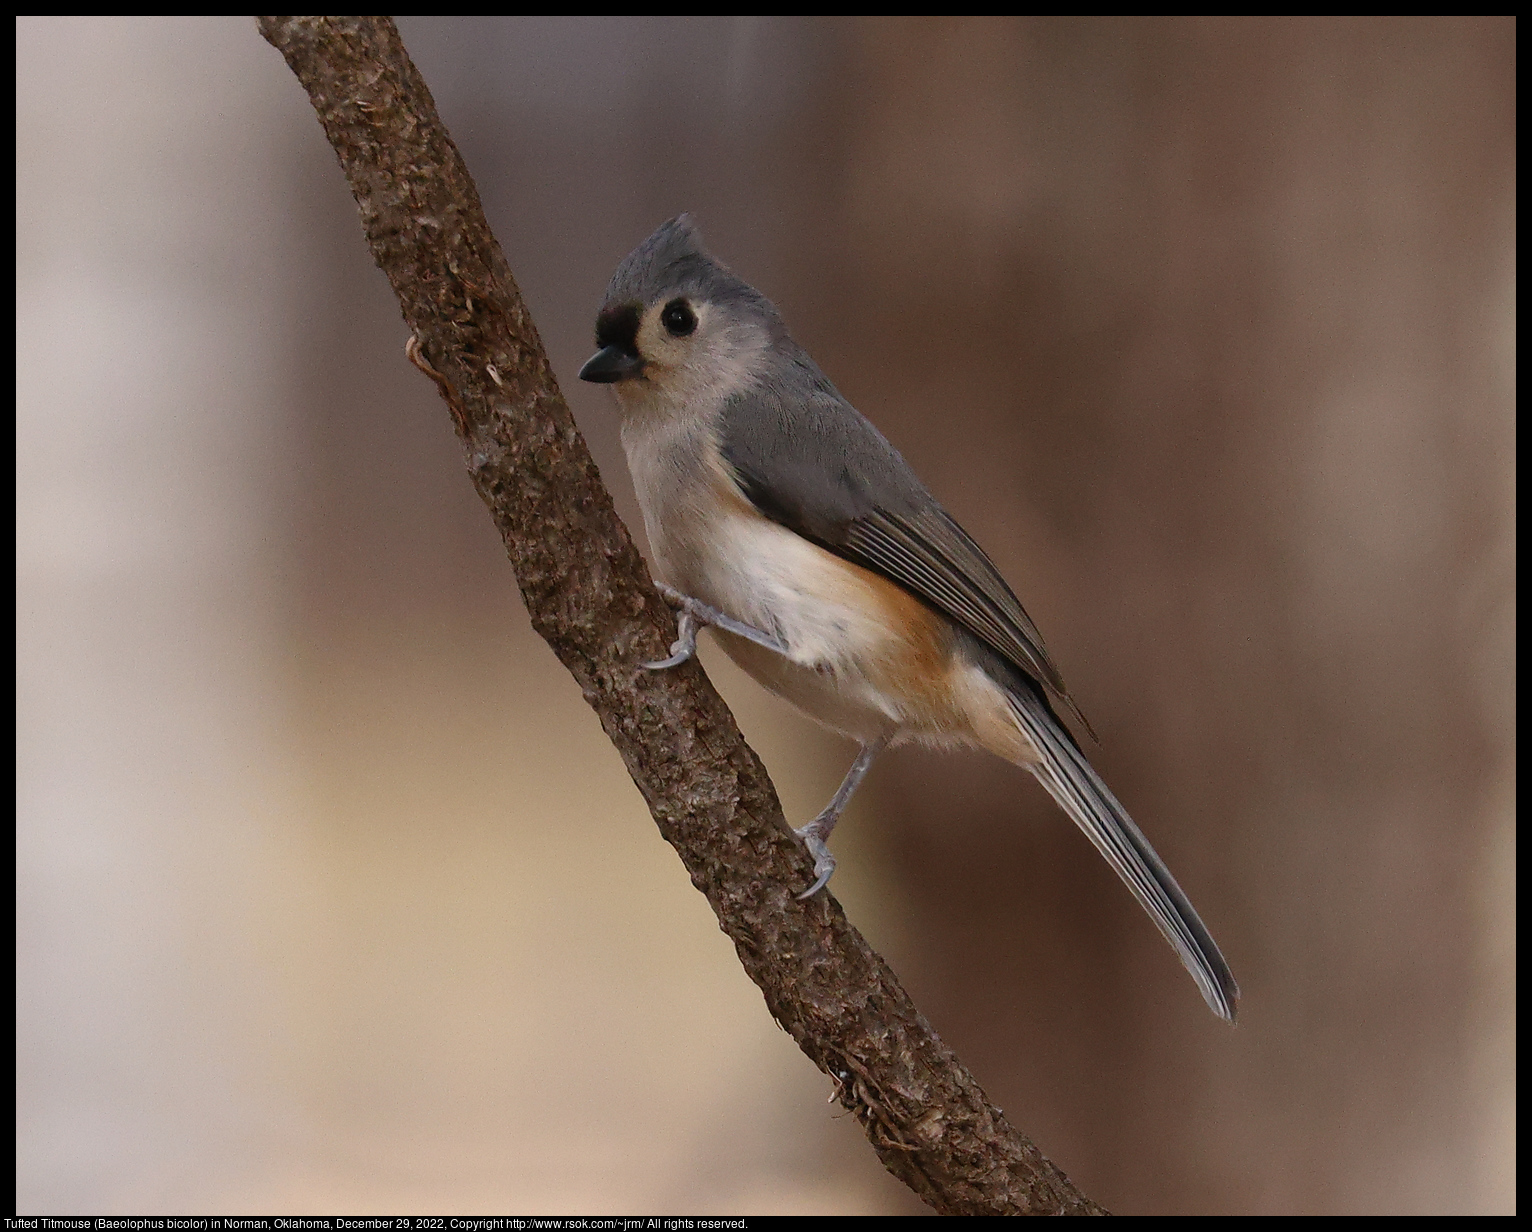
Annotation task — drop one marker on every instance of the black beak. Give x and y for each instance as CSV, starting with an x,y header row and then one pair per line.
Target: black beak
x,y
611,364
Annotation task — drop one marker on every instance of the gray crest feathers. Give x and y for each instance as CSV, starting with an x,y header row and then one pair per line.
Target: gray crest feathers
x,y
672,262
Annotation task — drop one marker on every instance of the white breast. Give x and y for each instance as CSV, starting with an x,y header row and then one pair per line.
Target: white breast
x,y
711,543
771,578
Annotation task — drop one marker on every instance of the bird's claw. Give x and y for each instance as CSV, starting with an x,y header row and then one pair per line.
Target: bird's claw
x,y
824,862
694,613
683,648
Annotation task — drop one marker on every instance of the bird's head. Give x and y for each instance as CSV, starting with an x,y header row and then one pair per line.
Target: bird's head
x,y
678,329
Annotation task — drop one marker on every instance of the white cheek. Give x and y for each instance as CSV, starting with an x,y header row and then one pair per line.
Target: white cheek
x,y
716,373
701,370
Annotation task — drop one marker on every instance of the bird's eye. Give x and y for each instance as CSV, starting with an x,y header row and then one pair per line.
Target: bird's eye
x,y
678,318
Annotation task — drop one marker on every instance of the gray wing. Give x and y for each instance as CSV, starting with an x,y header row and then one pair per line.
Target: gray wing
x,y
808,460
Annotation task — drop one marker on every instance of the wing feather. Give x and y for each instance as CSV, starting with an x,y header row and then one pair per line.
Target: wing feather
x,y
932,555
810,462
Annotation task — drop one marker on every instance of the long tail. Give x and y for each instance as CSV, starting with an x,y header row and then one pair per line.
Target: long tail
x,y
1081,793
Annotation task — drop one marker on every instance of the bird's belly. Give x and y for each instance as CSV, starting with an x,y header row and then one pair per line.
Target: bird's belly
x,y
864,656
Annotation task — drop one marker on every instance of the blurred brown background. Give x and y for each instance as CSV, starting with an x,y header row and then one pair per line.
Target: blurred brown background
x,y
1205,328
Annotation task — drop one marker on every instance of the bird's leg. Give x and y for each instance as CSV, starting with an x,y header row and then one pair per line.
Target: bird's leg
x,y
816,834
694,613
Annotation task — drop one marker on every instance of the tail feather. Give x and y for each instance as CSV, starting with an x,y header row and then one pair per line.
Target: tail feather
x,y
1079,791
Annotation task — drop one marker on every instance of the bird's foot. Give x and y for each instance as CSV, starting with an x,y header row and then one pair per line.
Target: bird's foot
x,y
694,613
824,863
816,835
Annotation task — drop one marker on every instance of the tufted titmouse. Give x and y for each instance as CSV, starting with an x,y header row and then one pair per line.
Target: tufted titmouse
x,y
780,516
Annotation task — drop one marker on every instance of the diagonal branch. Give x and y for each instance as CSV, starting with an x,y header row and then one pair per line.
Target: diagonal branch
x,y
590,596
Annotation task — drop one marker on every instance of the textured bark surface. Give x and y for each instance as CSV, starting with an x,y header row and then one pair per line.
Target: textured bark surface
x,y
590,596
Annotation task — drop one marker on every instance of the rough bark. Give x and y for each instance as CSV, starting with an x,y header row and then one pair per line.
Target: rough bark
x,y
590,596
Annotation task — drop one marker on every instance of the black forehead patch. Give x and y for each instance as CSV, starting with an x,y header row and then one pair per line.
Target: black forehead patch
x,y
617,326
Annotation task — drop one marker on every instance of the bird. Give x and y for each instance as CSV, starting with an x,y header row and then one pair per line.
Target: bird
x,y
778,515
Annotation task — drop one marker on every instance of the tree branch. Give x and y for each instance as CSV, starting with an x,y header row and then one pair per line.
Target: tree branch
x,y
590,596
